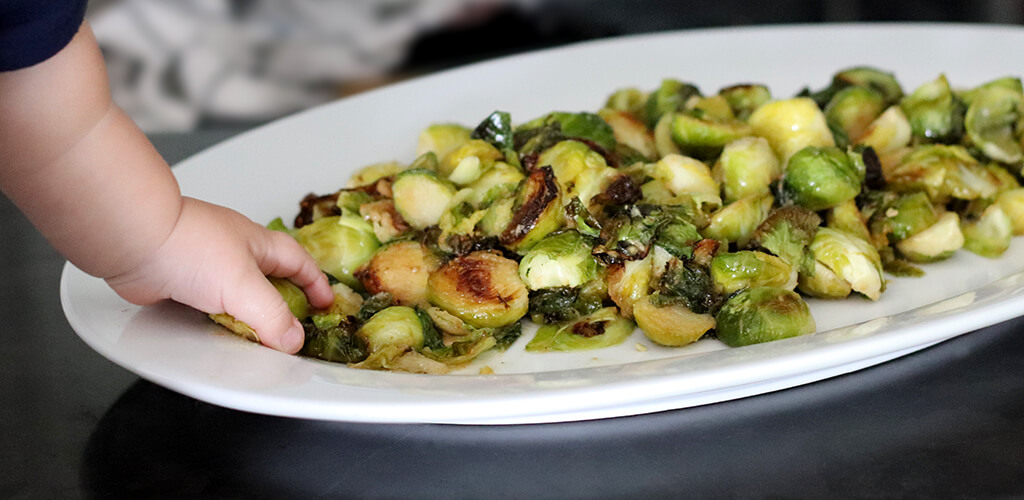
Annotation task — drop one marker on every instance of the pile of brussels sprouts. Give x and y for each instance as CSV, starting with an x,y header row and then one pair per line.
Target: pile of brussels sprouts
x,y
687,214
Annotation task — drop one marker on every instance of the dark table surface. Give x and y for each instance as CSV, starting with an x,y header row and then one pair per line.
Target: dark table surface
x,y
947,421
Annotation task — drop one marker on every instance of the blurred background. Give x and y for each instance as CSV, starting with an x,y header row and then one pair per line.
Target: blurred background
x,y
183,65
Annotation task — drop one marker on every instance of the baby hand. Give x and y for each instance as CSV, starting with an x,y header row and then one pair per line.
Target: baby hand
x,y
216,260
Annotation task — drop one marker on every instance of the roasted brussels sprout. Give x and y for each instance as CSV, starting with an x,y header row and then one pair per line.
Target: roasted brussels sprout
x,y
763,314
889,132
537,212
683,175
481,288
819,178
292,295
441,139
1012,203
556,305
988,235
401,269
560,260
672,324
602,328
474,154
852,259
705,136
936,242
854,109
629,100
373,173
632,132
737,221
908,215
823,283
749,269
746,167
580,171
669,97
390,333
786,233
628,282
339,244
934,112
745,99
539,134
847,217
943,172
992,121
791,125
421,197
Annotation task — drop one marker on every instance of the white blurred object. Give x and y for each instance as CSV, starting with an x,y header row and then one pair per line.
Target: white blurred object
x,y
174,62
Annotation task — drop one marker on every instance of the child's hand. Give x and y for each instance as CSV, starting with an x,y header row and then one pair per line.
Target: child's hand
x,y
216,260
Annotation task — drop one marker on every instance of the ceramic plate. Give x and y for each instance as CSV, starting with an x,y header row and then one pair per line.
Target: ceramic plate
x,y
265,172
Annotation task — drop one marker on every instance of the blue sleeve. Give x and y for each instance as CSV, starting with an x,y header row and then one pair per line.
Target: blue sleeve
x,y
32,31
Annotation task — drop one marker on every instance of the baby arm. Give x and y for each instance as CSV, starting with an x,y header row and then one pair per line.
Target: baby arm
x,y
95,187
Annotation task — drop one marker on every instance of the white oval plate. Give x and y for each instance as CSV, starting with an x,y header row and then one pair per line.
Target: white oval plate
x,y
265,172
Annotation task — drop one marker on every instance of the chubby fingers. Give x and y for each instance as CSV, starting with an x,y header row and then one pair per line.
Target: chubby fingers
x,y
283,257
258,304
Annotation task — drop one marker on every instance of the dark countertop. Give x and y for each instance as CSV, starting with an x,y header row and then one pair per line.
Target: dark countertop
x,y
944,422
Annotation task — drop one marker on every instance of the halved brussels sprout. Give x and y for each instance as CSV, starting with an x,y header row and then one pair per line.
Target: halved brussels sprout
x,y
908,215
823,283
339,245
628,282
372,173
387,223
683,175
663,141
989,235
852,259
685,282
737,221
749,269
481,288
854,109
568,159
745,99
494,183
485,155
669,97
421,197
671,325
400,269
943,172
441,139
537,212
763,314
293,296
847,217
791,125
818,178
630,100
862,76
889,132
991,123
602,328
747,167
934,112
1012,203
704,135
335,342
936,242
632,132
397,326
560,260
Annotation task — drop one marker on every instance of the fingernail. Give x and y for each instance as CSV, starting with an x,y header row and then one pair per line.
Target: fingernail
x,y
292,339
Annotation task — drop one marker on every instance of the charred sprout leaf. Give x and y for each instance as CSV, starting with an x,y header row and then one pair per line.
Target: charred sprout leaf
x,y
580,219
338,343
602,328
670,97
314,207
763,314
934,112
678,236
375,304
690,283
555,305
670,323
820,178
497,130
787,232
